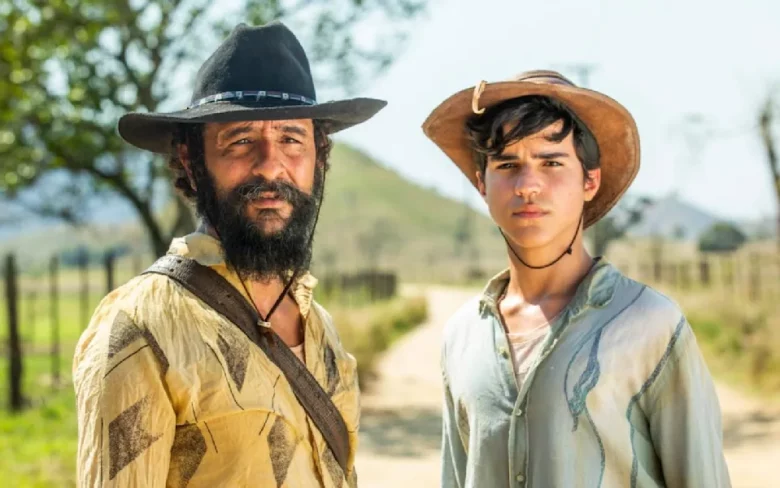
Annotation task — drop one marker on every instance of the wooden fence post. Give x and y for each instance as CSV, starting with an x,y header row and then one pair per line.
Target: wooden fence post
x,y
55,320
754,280
685,275
14,348
656,253
108,263
84,293
728,272
672,278
137,263
704,270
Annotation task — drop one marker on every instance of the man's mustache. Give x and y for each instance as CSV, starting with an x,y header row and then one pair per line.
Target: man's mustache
x,y
253,190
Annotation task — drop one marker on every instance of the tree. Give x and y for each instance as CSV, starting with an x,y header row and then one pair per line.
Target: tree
x,y
722,237
70,68
612,227
768,138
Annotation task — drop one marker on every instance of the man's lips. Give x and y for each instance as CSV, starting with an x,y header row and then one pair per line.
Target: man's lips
x,y
268,200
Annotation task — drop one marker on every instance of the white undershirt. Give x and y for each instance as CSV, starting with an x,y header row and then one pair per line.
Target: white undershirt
x,y
298,350
525,350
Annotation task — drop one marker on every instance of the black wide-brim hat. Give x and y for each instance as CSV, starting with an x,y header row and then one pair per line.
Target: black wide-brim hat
x,y
257,73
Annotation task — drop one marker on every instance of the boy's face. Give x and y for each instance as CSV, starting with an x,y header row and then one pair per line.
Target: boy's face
x,y
535,190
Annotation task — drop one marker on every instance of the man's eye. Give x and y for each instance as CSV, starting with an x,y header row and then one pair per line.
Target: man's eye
x,y
553,163
506,166
241,142
290,140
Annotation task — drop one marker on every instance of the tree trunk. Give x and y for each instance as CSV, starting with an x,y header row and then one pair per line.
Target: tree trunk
x,y
185,218
159,241
142,205
153,232
766,121
15,401
55,320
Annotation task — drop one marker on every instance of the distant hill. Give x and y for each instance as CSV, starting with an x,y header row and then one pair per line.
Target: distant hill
x,y
374,216
371,216
673,218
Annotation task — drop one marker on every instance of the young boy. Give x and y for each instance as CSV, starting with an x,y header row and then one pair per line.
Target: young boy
x,y
564,372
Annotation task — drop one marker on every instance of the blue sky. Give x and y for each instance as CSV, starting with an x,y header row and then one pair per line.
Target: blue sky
x,y
664,60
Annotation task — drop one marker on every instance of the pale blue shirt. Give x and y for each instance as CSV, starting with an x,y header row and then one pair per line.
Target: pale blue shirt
x,y
619,396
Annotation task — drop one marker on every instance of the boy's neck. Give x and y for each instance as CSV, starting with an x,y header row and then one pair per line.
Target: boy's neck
x,y
534,286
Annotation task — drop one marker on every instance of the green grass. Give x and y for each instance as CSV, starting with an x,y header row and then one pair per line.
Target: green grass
x,y
38,445
369,330
38,328
741,343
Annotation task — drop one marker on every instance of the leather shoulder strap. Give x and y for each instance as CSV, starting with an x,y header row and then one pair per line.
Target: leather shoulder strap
x,y
219,294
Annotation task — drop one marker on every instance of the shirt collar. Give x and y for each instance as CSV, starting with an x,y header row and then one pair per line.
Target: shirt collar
x,y
595,290
207,251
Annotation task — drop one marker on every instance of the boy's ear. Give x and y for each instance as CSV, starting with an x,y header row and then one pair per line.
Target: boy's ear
x,y
481,184
592,183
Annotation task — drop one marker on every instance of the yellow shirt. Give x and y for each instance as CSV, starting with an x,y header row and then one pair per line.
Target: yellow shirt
x,y
170,393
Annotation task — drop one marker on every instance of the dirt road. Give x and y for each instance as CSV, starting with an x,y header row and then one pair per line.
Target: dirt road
x,y
400,426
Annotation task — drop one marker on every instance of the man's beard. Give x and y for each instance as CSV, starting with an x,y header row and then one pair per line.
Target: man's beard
x,y
253,253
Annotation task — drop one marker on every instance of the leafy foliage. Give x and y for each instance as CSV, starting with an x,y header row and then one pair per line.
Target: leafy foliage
x,y
722,237
70,68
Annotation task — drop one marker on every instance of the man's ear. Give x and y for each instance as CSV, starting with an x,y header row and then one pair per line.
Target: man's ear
x,y
183,154
592,183
481,184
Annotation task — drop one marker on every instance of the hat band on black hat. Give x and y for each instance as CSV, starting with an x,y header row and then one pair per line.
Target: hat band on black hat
x,y
252,96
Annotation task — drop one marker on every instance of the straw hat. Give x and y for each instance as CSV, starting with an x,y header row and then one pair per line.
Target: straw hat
x,y
611,124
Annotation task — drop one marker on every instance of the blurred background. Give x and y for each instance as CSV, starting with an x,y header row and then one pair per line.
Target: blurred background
x,y
403,238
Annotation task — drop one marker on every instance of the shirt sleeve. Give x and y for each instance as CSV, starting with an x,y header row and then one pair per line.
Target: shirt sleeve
x,y
685,419
454,457
126,423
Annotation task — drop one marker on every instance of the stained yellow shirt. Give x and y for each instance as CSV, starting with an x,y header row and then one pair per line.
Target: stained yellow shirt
x,y
170,393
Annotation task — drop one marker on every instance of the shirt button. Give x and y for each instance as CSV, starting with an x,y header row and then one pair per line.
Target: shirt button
x,y
504,352
519,412
520,477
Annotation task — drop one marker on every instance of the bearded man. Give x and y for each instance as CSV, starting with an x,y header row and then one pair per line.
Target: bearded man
x,y
215,367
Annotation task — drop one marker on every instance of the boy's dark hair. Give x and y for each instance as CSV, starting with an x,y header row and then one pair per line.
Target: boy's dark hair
x,y
525,116
191,135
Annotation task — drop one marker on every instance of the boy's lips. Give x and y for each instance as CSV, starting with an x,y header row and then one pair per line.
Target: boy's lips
x,y
530,212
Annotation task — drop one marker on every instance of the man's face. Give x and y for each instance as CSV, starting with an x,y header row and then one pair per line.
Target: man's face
x,y
273,151
259,191
535,190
